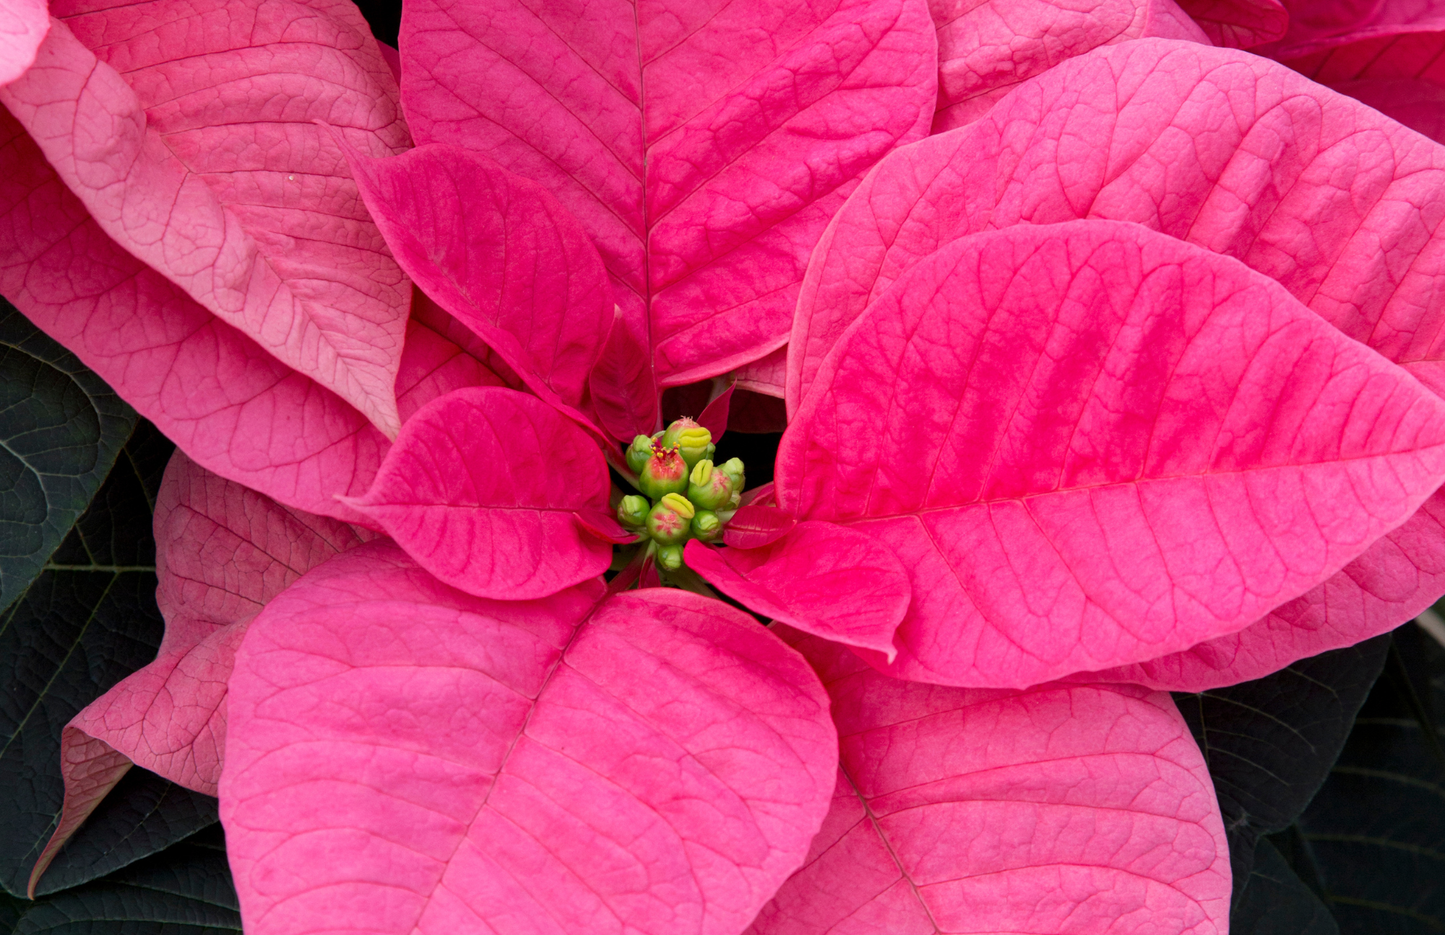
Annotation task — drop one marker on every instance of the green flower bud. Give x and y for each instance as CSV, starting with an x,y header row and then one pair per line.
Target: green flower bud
x,y
690,438
706,527
708,487
632,511
669,557
711,450
638,452
664,472
669,522
733,467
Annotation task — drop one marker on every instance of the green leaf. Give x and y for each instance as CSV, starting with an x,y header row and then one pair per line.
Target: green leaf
x,y
1270,743
61,428
1376,830
142,815
89,620
11,908
184,890
1273,900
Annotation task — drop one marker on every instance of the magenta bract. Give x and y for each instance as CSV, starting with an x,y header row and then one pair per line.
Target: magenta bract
x,y
1101,445
501,255
222,553
824,579
23,25
216,205
481,488
759,119
986,49
403,757
1063,808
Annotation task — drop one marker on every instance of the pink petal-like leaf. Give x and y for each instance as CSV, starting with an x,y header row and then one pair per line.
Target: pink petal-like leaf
x,y
1316,25
1239,24
755,525
500,254
407,758
442,355
714,416
764,375
235,196
1398,74
1399,576
1102,445
229,405
985,49
222,552
759,118
1063,808
481,488
1309,187
604,526
23,25
823,579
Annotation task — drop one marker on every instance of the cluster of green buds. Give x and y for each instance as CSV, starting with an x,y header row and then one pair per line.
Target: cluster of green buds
x,y
685,495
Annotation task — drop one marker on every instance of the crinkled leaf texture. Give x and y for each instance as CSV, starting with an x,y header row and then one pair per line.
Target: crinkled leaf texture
x,y
231,406
1063,808
404,757
1239,24
190,140
985,49
501,255
759,118
1315,25
1101,443
23,25
1336,202
1397,73
223,551
483,488
820,578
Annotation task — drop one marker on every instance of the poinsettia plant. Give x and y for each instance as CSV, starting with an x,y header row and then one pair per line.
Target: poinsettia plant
x,y
1110,364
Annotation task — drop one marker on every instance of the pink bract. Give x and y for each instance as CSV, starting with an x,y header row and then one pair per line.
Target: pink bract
x,y
23,25
248,207
1074,808
1101,445
501,255
824,579
483,488
406,758
222,553
1239,24
705,204
986,49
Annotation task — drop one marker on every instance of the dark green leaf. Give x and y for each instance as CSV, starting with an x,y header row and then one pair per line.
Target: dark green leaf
x,y
60,430
184,890
142,815
1273,900
89,620
1376,829
11,908
1270,743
